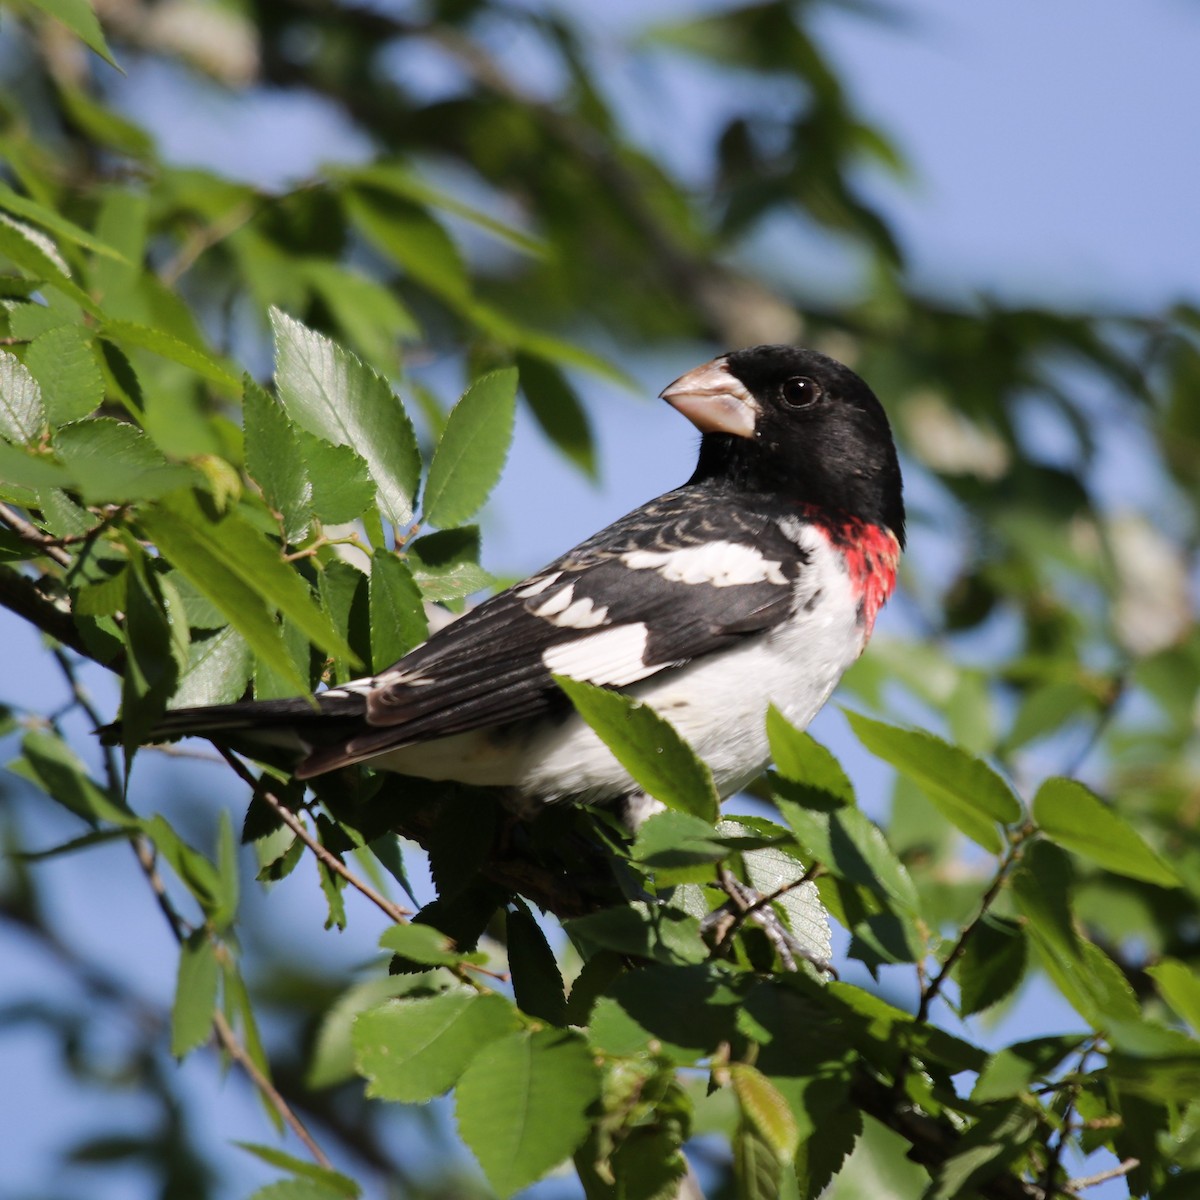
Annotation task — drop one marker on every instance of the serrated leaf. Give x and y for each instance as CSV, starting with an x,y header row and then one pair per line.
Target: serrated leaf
x,y
679,847
342,490
22,468
79,17
992,965
645,930
536,980
422,943
195,994
398,621
113,461
335,396
22,413
472,450
1077,819
522,1104
999,1137
965,789
817,778
413,1049
217,672
648,747
64,364
445,564
274,460
766,1109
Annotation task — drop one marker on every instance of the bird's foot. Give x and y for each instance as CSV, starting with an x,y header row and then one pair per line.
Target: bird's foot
x,y
747,904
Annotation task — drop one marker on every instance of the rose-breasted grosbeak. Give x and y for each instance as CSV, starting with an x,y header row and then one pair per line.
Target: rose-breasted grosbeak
x,y
756,582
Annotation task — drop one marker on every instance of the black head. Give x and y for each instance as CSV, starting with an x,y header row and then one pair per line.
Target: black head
x,y
794,422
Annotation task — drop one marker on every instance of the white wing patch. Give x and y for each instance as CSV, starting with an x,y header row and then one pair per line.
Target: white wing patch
x,y
563,610
540,585
613,656
719,564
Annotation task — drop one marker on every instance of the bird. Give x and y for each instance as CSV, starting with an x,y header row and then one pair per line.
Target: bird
x,y
755,583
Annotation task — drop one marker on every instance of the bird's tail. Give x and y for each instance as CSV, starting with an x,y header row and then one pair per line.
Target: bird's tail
x,y
298,724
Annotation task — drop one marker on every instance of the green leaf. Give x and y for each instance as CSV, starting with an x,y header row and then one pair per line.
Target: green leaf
x,y
194,870
643,930
1078,820
410,237
22,412
413,1049
965,789
218,669
536,980
446,564
422,943
128,334
274,460
472,449
679,848
1010,1071
296,1189
39,214
1180,987
335,1181
367,314
51,764
79,17
766,1109
815,777
64,364
36,255
241,572
522,1104
342,490
659,760
195,994
999,1137
756,1167
20,468
398,621
332,1058
558,410
113,461
155,652
992,965
332,394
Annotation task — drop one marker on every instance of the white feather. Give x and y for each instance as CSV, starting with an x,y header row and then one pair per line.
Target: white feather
x,y
719,564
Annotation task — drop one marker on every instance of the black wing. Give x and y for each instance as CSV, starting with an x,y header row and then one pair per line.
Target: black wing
x,y
676,579
682,576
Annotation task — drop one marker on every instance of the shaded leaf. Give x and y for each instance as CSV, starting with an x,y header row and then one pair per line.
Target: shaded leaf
x,y
195,994
398,621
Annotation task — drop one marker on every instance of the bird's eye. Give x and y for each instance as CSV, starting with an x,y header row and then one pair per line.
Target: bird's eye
x,y
800,391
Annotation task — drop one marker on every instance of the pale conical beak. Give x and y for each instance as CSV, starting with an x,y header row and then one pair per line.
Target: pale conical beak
x,y
714,400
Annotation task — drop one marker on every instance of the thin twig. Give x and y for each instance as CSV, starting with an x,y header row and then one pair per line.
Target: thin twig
x,y
238,1052
1054,1153
1074,1186
933,989
390,908
33,536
